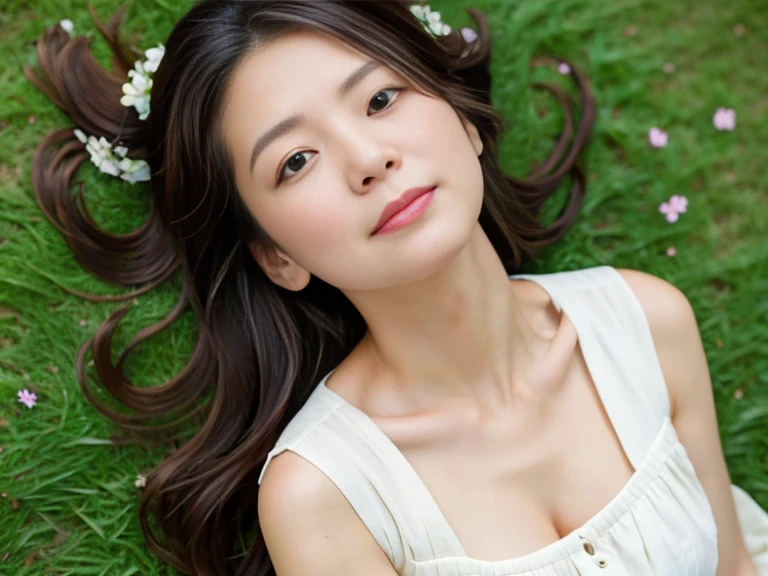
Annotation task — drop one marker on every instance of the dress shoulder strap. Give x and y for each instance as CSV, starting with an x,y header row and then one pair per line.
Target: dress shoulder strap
x,y
348,448
618,348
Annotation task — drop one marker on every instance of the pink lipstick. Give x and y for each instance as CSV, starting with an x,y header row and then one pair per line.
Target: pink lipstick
x,y
406,209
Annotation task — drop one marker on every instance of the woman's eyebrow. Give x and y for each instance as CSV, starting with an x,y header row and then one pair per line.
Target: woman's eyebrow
x,y
288,124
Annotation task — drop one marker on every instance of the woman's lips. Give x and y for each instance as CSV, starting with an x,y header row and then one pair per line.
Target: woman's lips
x,y
409,213
399,204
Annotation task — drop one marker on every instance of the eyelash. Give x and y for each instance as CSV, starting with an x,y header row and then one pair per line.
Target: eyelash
x,y
396,89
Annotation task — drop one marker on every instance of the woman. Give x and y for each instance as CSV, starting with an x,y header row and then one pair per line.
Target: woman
x,y
388,398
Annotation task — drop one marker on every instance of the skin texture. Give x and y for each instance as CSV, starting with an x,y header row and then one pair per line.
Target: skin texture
x,y
445,324
684,363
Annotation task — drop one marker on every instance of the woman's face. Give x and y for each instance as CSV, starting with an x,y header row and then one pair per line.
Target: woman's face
x,y
319,188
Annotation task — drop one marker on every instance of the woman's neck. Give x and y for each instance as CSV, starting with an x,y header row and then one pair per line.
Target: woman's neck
x,y
465,332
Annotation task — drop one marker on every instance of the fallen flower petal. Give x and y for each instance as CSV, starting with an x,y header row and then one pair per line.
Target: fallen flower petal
x,y
679,203
724,119
657,137
671,251
564,69
668,209
29,399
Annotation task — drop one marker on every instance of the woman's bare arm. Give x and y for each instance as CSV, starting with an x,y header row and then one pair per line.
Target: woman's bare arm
x,y
310,528
684,364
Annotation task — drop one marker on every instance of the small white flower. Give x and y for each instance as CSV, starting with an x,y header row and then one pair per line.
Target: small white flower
x,y
67,25
439,29
419,11
110,167
138,101
564,69
154,55
136,93
430,20
114,161
134,170
94,149
139,82
140,482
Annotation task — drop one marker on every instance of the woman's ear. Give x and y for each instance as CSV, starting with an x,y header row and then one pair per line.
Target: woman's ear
x,y
474,135
280,268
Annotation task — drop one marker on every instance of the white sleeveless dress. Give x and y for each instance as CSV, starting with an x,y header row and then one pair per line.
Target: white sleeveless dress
x,y
659,524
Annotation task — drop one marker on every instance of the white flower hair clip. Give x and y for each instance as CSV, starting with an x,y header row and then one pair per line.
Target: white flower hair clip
x,y
430,20
114,160
137,91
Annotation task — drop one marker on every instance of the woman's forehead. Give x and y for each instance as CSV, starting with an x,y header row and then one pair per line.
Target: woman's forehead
x,y
303,50
299,73
297,65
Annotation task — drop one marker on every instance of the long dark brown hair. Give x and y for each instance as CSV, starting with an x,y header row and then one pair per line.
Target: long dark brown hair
x,y
261,349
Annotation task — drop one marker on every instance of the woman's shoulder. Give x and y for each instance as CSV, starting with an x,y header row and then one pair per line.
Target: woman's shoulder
x,y
307,521
672,323
654,294
660,306
315,410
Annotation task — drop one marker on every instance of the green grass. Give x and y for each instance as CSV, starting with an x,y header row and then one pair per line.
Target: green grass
x,y
70,506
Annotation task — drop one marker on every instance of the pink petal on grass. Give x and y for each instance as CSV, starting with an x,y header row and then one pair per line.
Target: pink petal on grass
x,y
657,137
564,69
668,209
724,119
679,203
671,251
29,399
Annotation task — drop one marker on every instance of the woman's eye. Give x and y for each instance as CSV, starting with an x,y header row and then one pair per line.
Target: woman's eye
x,y
296,162
376,99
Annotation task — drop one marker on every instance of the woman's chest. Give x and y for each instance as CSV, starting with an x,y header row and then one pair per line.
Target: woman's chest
x,y
515,483
659,523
